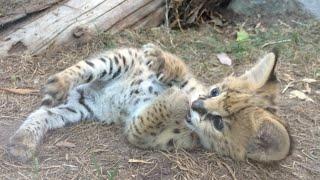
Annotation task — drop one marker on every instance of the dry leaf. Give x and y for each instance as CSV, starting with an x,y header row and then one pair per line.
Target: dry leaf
x,y
224,59
307,88
22,91
139,161
300,95
258,25
309,80
65,144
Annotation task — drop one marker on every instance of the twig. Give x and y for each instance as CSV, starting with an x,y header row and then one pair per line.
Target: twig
x,y
229,170
24,176
20,91
309,156
276,42
139,161
314,170
283,23
290,84
167,15
26,167
154,167
178,20
299,23
286,166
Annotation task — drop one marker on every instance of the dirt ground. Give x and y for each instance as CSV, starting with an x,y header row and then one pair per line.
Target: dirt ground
x,y
94,151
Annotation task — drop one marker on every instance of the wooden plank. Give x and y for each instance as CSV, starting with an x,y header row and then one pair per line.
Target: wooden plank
x,y
151,20
25,11
56,27
138,15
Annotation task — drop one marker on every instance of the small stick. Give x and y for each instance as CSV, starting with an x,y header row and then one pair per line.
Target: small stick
x,y
276,42
299,23
309,156
230,170
290,84
167,15
283,23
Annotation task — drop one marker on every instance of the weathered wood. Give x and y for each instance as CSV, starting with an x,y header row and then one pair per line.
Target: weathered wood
x,y
140,15
78,18
152,20
23,12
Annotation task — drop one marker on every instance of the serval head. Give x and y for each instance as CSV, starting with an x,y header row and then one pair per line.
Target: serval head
x,y
236,117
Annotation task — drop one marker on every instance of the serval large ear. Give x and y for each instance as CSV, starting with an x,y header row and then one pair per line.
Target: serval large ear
x,y
262,72
270,140
258,76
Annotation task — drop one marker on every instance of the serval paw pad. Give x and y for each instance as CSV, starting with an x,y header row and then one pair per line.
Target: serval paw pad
x,y
55,91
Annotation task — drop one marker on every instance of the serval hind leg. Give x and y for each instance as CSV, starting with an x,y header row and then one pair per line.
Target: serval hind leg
x,y
24,142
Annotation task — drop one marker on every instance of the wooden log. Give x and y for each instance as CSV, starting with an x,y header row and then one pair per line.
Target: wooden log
x,y
151,20
26,10
140,15
76,19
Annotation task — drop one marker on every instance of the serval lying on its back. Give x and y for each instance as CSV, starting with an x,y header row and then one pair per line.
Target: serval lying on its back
x,y
161,105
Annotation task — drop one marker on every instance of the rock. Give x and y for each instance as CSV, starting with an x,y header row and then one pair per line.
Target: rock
x,y
273,7
311,6
253,7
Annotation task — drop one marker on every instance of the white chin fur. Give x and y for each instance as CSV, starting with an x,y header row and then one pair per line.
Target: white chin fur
x,y
195,117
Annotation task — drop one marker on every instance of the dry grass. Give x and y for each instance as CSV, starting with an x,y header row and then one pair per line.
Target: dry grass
x,y
97,151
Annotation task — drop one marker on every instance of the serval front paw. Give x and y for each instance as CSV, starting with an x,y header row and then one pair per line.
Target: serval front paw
x,y
177,101
56,90
22,146
168,67
156,61
154,57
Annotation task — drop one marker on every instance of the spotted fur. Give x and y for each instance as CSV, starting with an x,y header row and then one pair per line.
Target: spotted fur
x,y
160,104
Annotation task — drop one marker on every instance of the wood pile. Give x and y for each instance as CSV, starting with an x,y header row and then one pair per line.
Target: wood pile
x,y
186,13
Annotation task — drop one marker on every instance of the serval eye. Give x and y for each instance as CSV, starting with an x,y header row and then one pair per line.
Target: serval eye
x,y
214,92
216,120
